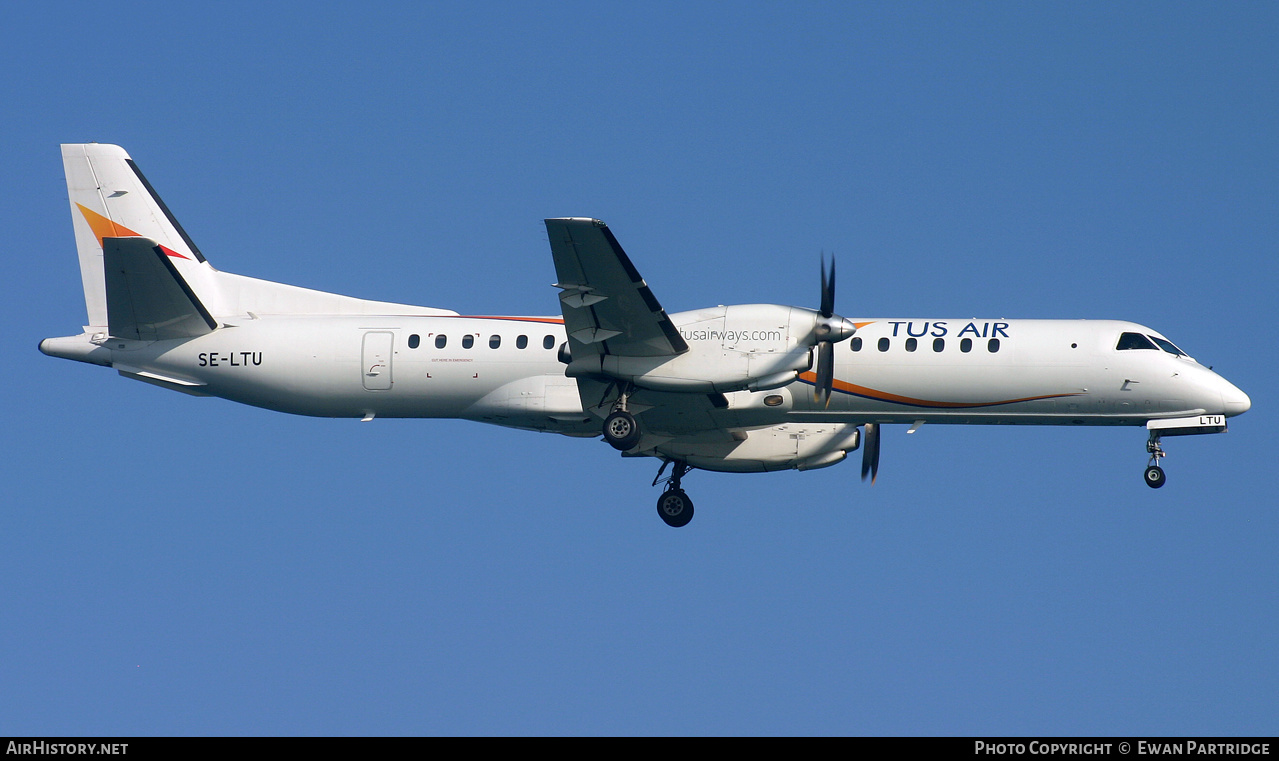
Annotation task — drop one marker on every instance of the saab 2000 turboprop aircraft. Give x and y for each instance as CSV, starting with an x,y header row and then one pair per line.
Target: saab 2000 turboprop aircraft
x,y
749,388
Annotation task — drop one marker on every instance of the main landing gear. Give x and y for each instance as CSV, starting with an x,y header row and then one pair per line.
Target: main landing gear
x,y
1154,474
674,507
621,430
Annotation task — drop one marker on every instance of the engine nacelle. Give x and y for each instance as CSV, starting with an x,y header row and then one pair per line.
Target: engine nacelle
x,y
800,446
750,346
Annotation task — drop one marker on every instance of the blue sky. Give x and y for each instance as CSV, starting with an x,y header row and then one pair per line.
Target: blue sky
x,y
172,565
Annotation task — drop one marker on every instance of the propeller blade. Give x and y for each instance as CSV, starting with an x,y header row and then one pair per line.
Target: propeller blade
x,y
825,373
828,288
870,452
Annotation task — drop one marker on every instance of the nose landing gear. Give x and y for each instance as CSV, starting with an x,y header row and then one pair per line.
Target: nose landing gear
x,y
1155,477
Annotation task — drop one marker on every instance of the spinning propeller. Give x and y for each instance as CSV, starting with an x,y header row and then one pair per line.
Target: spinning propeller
x,y
829,330
870,451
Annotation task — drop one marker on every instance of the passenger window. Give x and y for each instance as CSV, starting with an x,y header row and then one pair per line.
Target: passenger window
x,y
468,341
883,344
857,343
521,342
441,340
548,342
939,344
415,341
1134,341
992,345
966,345
911,344
495,341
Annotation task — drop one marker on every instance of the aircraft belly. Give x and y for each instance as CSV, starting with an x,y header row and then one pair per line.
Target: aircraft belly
x,y
545,402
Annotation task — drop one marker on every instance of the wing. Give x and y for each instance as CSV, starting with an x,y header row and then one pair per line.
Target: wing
x,y
609,309
607,306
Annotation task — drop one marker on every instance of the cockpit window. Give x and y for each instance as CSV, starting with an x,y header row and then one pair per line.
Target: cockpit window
x,y
1135,341
1168,346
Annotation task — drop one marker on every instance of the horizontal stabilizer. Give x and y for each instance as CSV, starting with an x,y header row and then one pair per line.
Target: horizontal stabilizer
x,y
147,300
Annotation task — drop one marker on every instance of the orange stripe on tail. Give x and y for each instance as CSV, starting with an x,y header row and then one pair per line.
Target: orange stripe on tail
x,y
103,227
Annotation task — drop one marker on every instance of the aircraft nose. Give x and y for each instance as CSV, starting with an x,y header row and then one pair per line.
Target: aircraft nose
x,y
1236,401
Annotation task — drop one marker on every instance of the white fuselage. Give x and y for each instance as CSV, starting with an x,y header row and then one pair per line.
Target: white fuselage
x,y
893,371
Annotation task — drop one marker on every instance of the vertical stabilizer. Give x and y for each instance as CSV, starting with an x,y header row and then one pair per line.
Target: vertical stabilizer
x,y
110,198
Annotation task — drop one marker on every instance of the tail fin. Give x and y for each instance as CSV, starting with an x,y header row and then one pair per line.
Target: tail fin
x,y
111,199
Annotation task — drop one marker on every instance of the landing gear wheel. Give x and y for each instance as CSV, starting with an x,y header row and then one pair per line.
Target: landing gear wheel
x,y
1154,474
621,431
675,508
